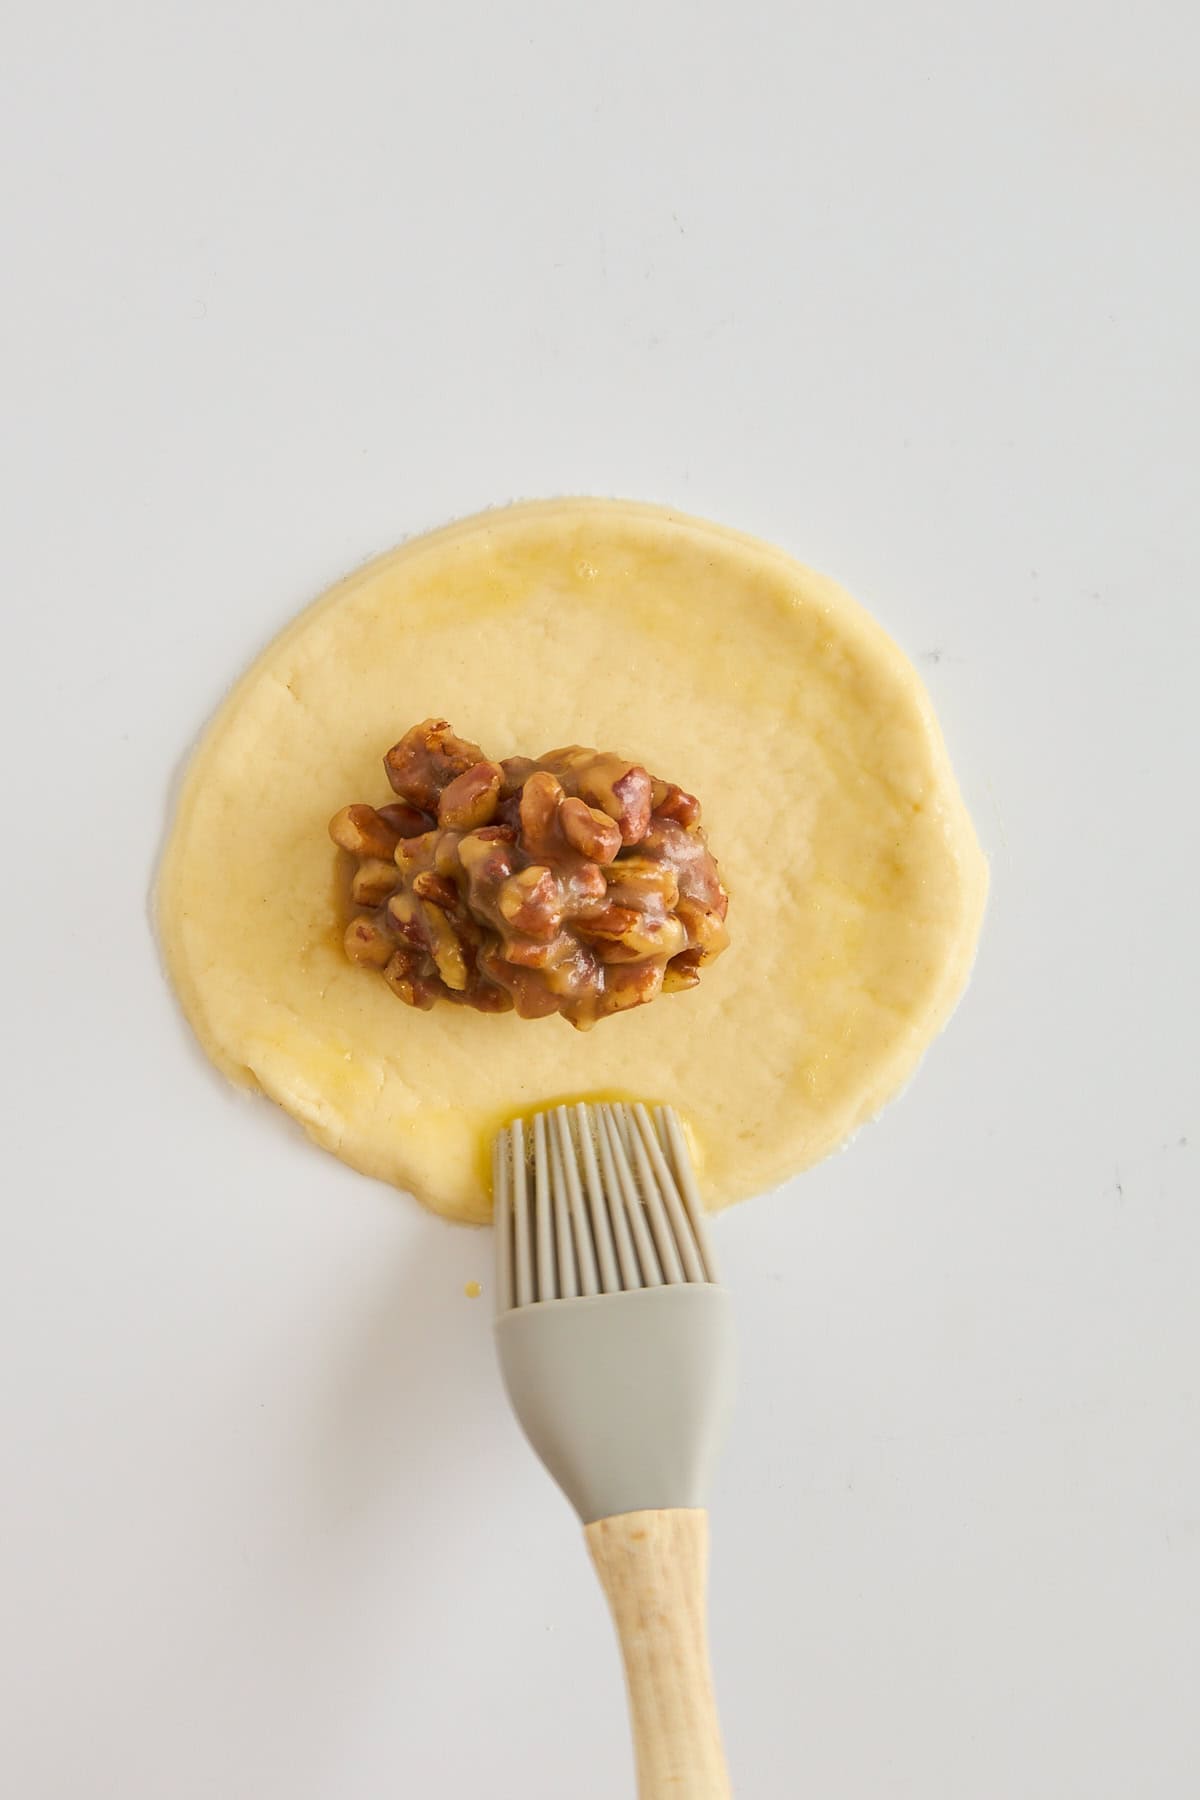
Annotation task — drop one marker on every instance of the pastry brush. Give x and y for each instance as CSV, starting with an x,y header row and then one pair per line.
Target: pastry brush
x,y
615,1344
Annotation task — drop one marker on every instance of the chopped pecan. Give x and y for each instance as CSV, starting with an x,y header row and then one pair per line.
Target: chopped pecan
x,y
365,942
373,881
688,855
577,974
642,882
447,946
531,902
484,996
683,971
405,820
538,815
446,860
363,832
436,889
631,984
531,997
670,802
620,789
607,922
471,798
538,953
407,921
515,770
416,853
649,936
584,887
589,830
426,760
706,929
487,859
410,982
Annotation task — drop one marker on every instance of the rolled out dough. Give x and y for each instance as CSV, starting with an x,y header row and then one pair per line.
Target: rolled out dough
x,y
856,882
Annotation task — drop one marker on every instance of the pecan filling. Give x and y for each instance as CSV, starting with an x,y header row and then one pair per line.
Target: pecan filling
x,y
576,884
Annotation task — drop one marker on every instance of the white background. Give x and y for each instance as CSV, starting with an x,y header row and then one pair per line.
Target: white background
x,y
912,290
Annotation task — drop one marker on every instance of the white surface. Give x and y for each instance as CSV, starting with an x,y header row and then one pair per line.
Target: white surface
x,y
912,291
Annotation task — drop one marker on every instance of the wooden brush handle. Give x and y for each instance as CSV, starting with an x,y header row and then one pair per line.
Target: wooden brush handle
x,y
653,1567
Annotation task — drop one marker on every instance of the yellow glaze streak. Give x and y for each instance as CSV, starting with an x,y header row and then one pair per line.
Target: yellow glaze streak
x,y
507,1115
857,884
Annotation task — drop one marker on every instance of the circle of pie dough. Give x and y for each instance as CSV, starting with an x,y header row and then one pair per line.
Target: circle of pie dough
x,y
856,882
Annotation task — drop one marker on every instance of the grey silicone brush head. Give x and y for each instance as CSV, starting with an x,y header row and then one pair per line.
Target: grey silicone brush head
x,y
615,1340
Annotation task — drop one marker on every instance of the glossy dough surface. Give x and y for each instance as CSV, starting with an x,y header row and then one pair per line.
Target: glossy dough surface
x,y
856,882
